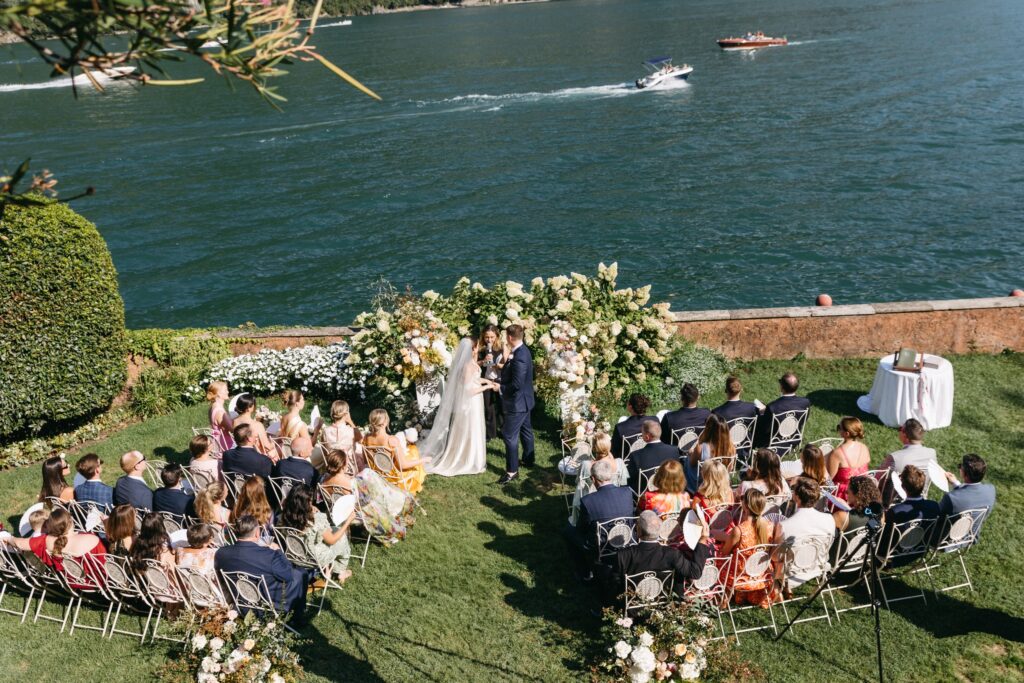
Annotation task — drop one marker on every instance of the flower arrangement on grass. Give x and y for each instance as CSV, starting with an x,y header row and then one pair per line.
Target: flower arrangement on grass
x,y
226,648
317,370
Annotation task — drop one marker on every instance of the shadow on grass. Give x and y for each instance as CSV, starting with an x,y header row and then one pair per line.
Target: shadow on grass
x,y
333,664
841,402
970,618
170,454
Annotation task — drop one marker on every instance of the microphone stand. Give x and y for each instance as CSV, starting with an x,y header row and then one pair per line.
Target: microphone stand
x,y
870,569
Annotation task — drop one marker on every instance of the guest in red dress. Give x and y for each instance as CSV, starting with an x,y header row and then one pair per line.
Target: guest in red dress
x,y
60,541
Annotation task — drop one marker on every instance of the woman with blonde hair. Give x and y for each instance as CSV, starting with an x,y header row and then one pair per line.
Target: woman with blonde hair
x,y
753,530
252,500
407,473
669,495
715,491
601,450
209,505
220,421
293,427
342,434
851,458
714,442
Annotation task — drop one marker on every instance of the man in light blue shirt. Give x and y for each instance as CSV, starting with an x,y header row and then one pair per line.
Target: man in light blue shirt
x,y
972,494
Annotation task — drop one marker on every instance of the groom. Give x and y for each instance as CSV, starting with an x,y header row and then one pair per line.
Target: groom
x,y
517,402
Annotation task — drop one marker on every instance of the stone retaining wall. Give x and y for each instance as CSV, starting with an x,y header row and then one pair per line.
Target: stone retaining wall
x,y
941,327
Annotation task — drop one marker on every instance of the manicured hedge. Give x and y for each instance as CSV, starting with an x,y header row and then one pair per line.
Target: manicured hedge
x,y
62,341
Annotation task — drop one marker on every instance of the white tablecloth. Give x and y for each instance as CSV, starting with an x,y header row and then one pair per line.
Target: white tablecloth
x,y
897,396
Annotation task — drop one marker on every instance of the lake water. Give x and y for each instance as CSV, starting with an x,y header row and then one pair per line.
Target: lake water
x,y
878,157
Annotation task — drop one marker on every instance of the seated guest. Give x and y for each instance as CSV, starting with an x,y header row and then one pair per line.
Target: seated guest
x,y
198,554
296,466
862,492
203,464
687,416
734,407
915,505
788,401
651,455
812,463
285,583
119,529
714,442
54,484
292,425
636,406
152,543
667,495
715,490
650,556
752,530
36,521
93,490
252,502
602,450
914,452
606,503
342,435
209,505
245,406
765,475
171,497
385,509
972,494
328,542
807,523
408,471
132,488
245,459
221,423
58,541
851,458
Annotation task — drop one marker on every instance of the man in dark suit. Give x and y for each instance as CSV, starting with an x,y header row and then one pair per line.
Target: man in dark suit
x,y
296,466
636,406
243,458
688,416
517,402
650,556
914,507
285,583
734,406
607,502
788,384
171,498
132,488
651,454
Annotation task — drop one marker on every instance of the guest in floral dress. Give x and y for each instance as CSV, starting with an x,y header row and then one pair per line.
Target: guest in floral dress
x,y
669,496
384,510
753,530
328,543
198,554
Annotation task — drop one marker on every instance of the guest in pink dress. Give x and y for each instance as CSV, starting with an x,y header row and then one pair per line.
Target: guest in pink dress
x,y
220,420
851,458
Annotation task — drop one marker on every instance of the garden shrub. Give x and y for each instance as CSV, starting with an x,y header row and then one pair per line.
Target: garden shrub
x,y
62,342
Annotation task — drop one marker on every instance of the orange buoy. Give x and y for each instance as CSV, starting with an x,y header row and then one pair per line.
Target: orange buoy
x,y
1017,292
824,300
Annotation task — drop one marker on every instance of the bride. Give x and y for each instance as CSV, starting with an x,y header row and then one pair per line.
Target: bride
x,y
457,443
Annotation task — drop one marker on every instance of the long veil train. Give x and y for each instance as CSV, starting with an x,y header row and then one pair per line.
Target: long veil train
x,y
452,443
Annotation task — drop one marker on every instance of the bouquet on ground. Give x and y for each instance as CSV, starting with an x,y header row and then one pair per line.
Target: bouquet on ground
x,y
667,643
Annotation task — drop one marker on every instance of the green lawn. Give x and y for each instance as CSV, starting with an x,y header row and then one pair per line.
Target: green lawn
x,y
481,589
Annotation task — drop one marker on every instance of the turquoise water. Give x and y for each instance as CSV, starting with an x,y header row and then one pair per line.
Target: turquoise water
x,y
878,157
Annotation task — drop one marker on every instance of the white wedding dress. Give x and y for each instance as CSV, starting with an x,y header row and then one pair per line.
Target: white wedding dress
x,y
457,442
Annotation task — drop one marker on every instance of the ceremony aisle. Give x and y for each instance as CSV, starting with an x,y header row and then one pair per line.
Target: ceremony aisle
x,y
481,590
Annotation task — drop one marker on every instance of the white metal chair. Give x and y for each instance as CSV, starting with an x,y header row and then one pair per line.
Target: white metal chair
x,y
249,593
613,535
728,461
644,481
853,571
710,586
152,473
752,569
959,534
828,444
281,487
741,431
900,548
119,585
199,589
329,494
49,581
14,577
301,555
81,584
686,437
671,530
88,516
631,442
160,588
172,522
648,589
804,561
787,431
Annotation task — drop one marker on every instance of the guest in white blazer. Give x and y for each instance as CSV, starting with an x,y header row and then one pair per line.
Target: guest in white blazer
x,y
807,523
914,452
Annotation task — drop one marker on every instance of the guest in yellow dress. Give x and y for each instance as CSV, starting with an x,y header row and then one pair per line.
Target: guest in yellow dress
x,y
407,470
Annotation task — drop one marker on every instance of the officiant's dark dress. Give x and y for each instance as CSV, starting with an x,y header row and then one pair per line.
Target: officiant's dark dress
x,y
492,399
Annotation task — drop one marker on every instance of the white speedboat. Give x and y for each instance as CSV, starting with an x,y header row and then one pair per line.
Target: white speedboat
x,y
661,71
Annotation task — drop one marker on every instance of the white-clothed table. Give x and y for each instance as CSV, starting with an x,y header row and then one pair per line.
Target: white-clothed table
x,y
896,396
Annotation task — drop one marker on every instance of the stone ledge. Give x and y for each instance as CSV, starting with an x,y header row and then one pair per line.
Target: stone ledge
x,y
850,309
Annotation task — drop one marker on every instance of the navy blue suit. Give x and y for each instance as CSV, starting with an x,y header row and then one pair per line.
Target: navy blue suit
x,y
607,502
909,511
95,492
133,492
517,400
730,410
296,468
286,584
631,426
684,418
174,501
651,455
783,404
247,462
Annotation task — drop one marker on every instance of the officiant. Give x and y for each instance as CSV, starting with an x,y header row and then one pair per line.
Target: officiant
x,y
490,358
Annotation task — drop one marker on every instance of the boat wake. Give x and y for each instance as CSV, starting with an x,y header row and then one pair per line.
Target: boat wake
x,y
593,92
79,80
344,22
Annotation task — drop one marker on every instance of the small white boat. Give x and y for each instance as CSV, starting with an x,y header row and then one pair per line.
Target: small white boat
x,y
661,71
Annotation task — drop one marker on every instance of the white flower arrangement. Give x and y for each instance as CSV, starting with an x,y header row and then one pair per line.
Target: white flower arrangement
x,y
667,644
313,369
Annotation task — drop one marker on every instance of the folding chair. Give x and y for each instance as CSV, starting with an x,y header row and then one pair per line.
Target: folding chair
x,y
752,569
729,461
787,431
14,576
281,487
234,481
215,448
806,558
160,588
80,585
88,516
613,535
721,516
301,555
118,583
959,534
778,504
880,476
648,589
172,522
49,581
852,571
710,586
741,431
644,480
630,443
152,473
249,593
900,548
200,590
686,437
329,494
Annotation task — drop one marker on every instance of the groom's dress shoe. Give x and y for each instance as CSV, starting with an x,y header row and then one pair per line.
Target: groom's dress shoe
x,y
527,463
508,478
